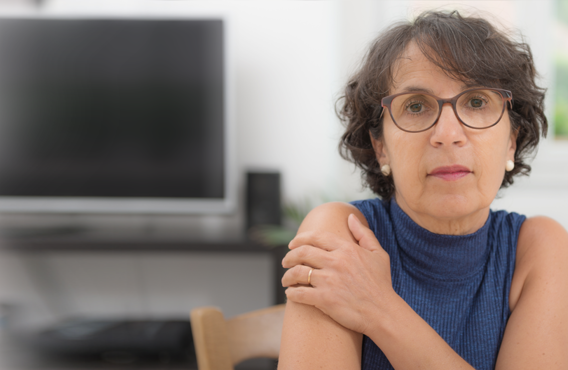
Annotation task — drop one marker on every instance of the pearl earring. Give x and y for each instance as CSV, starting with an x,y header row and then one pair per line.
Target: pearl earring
x,y
509,165
386,170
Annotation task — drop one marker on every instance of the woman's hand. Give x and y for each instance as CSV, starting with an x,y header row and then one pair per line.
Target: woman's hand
x,y
351,281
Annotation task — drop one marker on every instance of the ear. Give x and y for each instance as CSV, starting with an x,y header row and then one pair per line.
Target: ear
x,y
380,151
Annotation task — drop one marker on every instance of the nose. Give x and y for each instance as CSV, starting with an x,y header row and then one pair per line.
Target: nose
x,y
448,130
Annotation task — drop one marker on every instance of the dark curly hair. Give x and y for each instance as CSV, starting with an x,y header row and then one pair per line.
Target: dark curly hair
x,y
468,49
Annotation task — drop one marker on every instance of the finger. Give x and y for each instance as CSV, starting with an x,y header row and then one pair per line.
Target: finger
x,y
306,255
300,274
363,234
301,294
320,239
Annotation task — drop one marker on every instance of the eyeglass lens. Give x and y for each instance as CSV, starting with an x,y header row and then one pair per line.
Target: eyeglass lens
x,y
477,108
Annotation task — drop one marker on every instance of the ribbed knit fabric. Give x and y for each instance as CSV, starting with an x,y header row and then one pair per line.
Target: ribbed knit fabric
x,y
459,284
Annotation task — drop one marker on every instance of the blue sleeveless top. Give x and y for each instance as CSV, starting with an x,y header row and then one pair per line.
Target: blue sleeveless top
x,y
459,284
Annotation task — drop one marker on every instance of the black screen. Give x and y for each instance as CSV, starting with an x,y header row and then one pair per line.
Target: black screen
x,y
112,108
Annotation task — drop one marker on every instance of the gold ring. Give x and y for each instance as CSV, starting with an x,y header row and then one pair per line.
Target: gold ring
x,y
310,276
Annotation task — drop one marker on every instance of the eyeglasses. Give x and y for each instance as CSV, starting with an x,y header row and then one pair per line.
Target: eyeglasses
x,y
477,108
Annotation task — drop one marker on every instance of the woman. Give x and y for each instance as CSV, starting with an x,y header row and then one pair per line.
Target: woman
x,y
441,115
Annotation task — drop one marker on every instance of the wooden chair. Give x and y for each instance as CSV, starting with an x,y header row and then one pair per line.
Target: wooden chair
x,y
220,344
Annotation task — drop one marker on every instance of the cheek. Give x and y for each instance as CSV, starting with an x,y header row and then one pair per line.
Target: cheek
x,y
406,153
490,155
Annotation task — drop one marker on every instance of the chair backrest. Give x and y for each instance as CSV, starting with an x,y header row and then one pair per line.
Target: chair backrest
x,y
220,344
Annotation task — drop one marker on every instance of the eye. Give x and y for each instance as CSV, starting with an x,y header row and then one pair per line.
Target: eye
x,y
415,107
477,100
476,103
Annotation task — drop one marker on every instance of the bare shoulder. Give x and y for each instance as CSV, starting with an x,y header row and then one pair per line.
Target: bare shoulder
x,y
541,241
331,217
542,246
541,228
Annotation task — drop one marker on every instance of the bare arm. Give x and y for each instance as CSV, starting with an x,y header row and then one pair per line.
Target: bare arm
x,y
536,336
310,338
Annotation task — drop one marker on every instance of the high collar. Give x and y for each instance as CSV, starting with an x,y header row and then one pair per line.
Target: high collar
x,y
443,257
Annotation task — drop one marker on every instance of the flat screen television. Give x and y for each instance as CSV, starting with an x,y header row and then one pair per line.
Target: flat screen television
x,y
114,116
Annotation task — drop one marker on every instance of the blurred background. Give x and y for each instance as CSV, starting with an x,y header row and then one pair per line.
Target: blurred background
x,y
285,64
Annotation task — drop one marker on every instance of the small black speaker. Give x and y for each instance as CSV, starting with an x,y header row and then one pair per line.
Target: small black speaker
x,y
263,199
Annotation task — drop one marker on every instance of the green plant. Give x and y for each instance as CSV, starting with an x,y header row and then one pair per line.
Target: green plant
x,y
561,120
293,213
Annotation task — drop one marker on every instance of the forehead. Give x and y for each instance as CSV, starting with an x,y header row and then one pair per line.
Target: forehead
x,y
414,69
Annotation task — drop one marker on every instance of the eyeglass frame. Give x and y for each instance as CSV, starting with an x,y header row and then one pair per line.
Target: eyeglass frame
x,y
506,95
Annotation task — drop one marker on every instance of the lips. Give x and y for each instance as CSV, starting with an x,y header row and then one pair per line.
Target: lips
x,y
450,173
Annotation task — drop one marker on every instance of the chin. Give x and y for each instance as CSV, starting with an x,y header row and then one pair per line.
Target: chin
x,y
452,206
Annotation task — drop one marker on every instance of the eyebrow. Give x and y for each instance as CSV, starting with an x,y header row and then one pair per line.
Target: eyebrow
x,y
465,86
416,89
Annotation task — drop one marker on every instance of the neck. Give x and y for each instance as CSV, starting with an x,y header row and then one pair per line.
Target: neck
x,y
463,224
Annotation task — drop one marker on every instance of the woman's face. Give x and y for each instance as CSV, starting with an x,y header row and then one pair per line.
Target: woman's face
x,y
454,204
